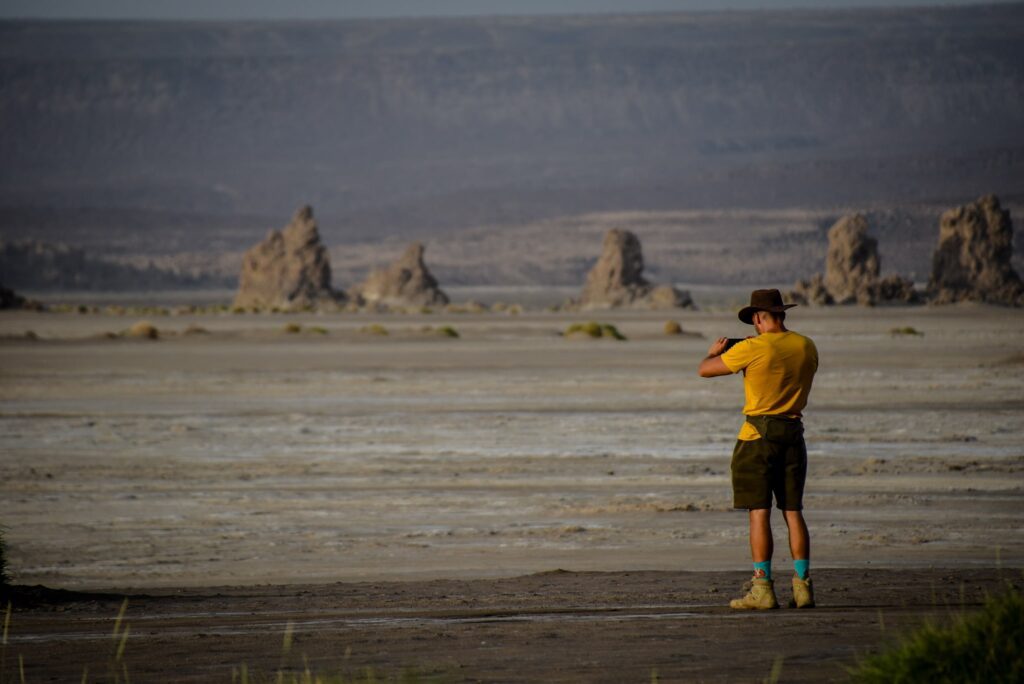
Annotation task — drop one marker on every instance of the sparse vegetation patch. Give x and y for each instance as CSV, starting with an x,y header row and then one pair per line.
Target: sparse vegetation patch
x,y
983,647
906,330
374,329
595,330
442,331
470,307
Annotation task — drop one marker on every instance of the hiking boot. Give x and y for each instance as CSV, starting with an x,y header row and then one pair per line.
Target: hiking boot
x,y
760,597
803,593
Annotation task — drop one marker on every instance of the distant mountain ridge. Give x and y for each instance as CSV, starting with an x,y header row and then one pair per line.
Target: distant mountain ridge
x,y
418,128
30,264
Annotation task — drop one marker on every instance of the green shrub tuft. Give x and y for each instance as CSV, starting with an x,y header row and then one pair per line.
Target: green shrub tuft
x,y
980,647
374,329
293,328
608,330
595,330
447,331
592,329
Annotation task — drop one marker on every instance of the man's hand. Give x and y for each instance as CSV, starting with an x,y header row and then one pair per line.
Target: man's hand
x,y
713,365
717,347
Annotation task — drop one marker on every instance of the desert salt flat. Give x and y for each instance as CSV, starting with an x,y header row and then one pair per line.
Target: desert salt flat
x,y
250,456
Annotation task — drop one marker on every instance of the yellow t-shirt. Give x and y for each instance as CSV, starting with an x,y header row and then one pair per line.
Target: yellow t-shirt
x,y
778,369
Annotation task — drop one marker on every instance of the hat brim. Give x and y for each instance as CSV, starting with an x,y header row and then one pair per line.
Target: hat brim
x,y
747,313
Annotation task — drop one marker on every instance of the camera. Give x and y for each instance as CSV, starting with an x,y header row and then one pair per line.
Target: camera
x,y
731,342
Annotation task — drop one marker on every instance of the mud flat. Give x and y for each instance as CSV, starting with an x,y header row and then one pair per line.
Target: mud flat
x,y
554,626
250,456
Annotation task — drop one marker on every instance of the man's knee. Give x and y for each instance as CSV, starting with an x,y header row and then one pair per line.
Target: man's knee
x,y
794,517
795,523
760,515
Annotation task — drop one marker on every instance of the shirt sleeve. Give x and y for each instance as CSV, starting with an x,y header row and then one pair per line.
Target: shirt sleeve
x,y
740,356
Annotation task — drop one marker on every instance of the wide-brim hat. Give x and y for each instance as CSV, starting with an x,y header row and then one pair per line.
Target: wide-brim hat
x,y
763,300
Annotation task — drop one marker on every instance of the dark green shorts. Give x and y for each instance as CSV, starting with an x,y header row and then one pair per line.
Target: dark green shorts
x,y
775,465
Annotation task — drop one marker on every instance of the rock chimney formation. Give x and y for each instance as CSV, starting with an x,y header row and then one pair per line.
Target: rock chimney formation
x,y
852,263
616,280
972,259
289,270
406,282
852,267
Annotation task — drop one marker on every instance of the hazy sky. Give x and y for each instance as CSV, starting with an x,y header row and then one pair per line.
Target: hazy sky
x,y
321,9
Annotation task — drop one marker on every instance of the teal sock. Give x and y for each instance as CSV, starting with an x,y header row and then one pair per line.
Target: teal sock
x,y
802,567
763,570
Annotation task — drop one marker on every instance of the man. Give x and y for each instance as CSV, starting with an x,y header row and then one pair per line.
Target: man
x,y
770,457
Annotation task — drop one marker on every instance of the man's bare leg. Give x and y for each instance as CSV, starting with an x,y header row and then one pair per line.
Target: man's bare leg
x,y
762,591
800,547
761,542
799,537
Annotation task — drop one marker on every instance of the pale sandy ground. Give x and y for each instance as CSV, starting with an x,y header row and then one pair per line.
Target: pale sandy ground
x,y
251,456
